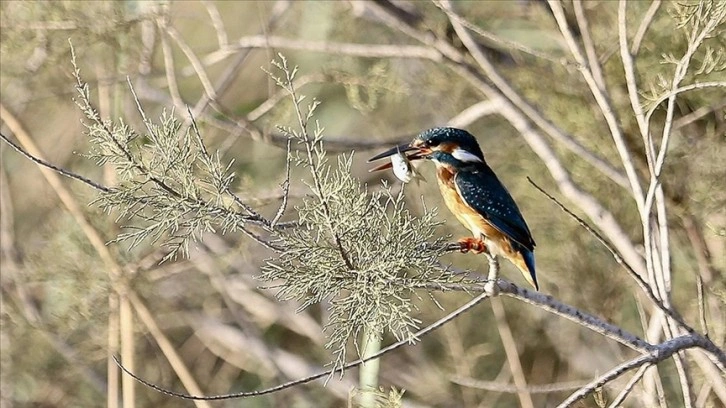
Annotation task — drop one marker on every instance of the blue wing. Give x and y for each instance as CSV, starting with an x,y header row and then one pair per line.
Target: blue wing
x,y
481,190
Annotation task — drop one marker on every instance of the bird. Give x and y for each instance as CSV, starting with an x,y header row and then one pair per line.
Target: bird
x,y
474,194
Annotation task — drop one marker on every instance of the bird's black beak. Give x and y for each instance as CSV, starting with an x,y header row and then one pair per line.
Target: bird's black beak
x,y
400,149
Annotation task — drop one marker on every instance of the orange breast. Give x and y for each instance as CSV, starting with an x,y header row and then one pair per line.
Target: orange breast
x,y
471,219
495,240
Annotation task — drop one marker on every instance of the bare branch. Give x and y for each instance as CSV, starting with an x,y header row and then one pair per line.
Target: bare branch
x,y
647,289
592,60
510,349
494,386
328,47
418,335
473,113
603,102
660,353
171,354
617,402
506,43
512,102
41,162
194,60
171,80
631,83
699,113
285,188
644,25
217,23
549,304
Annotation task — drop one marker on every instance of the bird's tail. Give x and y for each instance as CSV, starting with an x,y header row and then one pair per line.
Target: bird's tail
x,y
525,263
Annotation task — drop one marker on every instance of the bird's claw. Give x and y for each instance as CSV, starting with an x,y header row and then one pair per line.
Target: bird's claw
x,y
471,244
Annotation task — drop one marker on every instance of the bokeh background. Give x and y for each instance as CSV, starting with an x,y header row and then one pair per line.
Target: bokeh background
x,y
61,316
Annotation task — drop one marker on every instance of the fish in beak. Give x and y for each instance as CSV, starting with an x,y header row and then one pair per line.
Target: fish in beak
x,y
401,161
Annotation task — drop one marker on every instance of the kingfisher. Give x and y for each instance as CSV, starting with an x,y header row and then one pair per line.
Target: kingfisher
x,y
474,194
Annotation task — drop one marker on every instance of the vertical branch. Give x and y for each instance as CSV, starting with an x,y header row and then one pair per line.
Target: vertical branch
x,y
510,349
112,370
618,401
126,324
65,196
491,287
695,40
603,103
114,320
592,59
369,371
125,315
172,356
285,187
644,25
520,115
171,81
313,153
632,84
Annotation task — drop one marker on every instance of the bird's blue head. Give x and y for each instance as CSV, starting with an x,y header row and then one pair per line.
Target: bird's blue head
x,y
450,146
446,146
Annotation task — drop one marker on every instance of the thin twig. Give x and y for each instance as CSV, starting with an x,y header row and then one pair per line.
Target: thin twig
x,y
603,101
699,113
629,386
701,305
510,98
416,336
272,101
194,60
592,60
641,282
171,80
285,188
644,25
330,47
217,23
311,152
510,350
494,386
204,151
632,84
680,73
59,170
471,114
506,43
548,304
662,352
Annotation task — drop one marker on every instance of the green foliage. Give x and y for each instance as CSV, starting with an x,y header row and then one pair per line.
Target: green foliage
x,y
170,190
381,240
698,24
362,252
383,399
167,179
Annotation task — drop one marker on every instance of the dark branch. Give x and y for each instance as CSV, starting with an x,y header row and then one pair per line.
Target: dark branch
x,y
59,170
414,337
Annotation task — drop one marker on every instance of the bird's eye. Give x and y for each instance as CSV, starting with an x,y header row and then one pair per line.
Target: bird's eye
x,y
432,142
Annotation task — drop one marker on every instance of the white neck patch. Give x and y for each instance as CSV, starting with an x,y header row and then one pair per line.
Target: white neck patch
x,y
465,156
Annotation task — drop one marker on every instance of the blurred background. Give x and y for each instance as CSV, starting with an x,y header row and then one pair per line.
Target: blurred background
x,y
204,319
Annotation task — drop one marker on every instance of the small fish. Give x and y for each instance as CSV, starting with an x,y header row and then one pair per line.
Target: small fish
x,y
403,168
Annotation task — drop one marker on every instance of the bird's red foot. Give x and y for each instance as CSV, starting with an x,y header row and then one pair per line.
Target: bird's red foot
x,y
474,245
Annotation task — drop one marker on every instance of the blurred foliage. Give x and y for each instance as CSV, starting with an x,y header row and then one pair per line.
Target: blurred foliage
x,y
58,357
